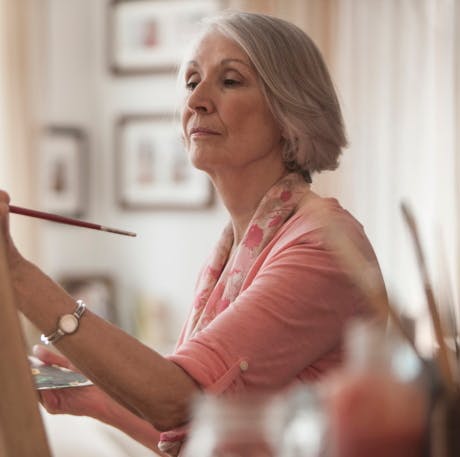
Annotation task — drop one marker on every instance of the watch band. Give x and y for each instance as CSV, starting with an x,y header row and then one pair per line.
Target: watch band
x,y
61,329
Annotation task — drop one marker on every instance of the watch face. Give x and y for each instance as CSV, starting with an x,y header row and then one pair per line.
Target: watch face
x,y
68,323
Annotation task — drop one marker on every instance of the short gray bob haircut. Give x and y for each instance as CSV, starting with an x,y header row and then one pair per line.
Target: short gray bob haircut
x,y
296,84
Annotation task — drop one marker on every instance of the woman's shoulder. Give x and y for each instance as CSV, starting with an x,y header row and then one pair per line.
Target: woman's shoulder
x,y
315,213
318,225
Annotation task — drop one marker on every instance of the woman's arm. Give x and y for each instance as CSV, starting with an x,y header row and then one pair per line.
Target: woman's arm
x,y
136,376
146,383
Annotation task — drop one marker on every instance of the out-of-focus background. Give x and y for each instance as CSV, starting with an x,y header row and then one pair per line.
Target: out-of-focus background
x,y
88,128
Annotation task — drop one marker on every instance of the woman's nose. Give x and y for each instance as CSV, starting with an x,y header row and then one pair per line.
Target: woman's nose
x,y
201,98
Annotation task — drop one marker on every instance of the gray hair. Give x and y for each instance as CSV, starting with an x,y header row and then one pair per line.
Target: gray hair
x,y
296,85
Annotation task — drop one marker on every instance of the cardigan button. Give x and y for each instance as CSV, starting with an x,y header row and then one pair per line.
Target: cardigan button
x,y
244,365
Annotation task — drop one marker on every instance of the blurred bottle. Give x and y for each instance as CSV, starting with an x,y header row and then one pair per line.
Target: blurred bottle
x,y
240,426
378,404
288,425
304,431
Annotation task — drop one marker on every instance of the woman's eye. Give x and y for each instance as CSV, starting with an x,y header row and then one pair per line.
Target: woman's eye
x,y
190,85
228,82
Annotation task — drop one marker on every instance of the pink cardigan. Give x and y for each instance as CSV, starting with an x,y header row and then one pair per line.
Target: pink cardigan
x,y
287,324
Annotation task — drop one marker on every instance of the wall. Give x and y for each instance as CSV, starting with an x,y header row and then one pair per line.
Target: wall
x,y
163,261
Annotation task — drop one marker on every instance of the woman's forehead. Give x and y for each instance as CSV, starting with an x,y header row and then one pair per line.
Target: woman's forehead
x,y
215,47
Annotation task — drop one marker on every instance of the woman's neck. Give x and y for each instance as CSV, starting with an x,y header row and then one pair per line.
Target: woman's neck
x,y
241,193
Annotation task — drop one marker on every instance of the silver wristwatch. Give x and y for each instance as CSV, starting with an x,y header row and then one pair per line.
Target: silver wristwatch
x,y
67,324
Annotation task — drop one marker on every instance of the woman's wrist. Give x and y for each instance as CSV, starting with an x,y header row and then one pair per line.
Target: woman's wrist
x,y
20,270
37,296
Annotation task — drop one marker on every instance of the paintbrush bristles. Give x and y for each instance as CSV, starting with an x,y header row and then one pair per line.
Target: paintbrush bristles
x,y
117,231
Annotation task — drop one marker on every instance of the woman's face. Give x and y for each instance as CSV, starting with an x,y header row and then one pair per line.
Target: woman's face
x,y
226,121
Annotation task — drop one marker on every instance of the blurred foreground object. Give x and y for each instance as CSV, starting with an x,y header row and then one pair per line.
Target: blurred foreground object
x,y
243,426
385,401
378,404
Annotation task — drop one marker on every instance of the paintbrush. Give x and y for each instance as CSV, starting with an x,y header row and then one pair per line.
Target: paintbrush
x,y
443,357
66,220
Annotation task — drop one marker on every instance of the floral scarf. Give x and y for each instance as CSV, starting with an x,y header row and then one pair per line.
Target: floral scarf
x,y
221,280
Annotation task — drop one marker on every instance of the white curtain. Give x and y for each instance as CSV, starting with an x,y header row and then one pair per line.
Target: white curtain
x,y
19,36
396,64
20,89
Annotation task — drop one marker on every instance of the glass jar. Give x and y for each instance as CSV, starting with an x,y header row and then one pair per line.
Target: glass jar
x,y
304,430
282,425
237,426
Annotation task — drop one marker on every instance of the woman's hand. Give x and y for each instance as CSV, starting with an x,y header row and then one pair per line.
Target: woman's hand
x,y
93,402
78,401
13,255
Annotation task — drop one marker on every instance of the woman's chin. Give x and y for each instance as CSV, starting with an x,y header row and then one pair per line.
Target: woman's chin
x,y
201,163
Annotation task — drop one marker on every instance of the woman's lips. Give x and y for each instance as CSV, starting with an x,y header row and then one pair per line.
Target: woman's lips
x,y
202,131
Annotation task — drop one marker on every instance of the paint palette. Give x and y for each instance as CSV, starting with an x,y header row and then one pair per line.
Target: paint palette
x,y
55,377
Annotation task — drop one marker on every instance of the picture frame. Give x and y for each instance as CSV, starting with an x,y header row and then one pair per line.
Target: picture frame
x,y
150,36
96,290
152,167
62,170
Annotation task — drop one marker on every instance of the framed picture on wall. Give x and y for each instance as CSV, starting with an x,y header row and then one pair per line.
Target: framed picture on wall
x,y
96,290
62,170
149,36
152,167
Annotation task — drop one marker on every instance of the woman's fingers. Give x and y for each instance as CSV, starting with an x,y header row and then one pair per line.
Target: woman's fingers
x,y
64,401
78,401
4,204
4,197
4,210
51,358
13,255
50,401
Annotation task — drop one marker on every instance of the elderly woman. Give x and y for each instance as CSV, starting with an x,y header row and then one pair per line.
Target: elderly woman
x,y
260,116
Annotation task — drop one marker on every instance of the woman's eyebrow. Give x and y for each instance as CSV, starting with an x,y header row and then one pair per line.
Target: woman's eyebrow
x,y
194,63
230,60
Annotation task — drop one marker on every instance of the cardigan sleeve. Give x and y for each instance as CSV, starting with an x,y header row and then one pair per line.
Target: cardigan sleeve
x,y
288,319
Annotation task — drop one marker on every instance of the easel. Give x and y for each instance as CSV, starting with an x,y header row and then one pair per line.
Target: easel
x,y
22,433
